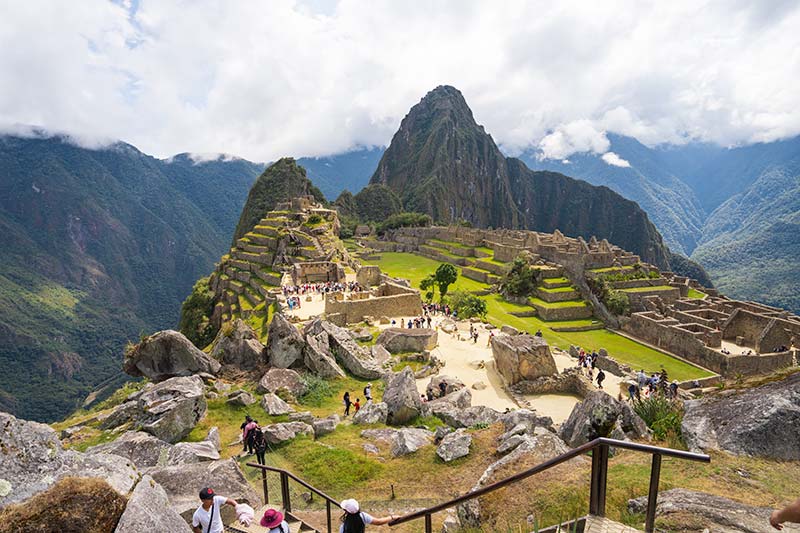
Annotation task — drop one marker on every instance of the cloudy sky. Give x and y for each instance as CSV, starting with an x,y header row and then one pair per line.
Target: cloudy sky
x,y
266,78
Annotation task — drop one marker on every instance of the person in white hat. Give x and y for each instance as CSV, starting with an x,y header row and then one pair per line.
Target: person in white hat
x,y
354,520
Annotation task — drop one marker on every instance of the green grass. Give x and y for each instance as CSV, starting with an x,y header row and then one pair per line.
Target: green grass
x,y
610,269
557,289
648,289
450,243
415,267
557,280
558,305
694,293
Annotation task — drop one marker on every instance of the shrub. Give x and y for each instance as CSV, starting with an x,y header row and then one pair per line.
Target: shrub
x,y
617,302
521,280
404,220
318,390
663,416
467,305
196,311
314,220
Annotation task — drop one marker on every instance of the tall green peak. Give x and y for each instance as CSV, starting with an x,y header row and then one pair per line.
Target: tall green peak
x,y
281,181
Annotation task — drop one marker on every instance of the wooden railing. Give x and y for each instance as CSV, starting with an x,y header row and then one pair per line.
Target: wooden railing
x,y
599,449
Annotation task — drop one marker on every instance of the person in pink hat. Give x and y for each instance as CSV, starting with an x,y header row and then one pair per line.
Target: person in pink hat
x,y
273,520
354,520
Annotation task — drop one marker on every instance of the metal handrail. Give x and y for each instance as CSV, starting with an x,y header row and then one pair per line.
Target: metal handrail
x,y
597,504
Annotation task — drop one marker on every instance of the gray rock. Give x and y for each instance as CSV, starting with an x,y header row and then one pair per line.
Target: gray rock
x,y
509,330
708,512
464,417
530,419
386,435
574,351
121,414
282,381
32,460
371,449
274,406
598,416
447,325
362,335
398,340
522,357
285,345
222,387
762,421
181,483
170,409
144,450
510,443
213,438
479,385
402,398
318,359
165,355
379,353
372,413
303,416
352,356
323,426
409,440
201,451
451,524
238,347
602,352
286,431
452,384
460,398
148,509
519,429
240,398
454,445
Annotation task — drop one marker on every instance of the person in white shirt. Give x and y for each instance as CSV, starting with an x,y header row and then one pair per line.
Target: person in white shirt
x,y
353,520
207,518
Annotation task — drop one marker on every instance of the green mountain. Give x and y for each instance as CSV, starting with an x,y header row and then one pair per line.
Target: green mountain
x,y
441,162
97,246
281,181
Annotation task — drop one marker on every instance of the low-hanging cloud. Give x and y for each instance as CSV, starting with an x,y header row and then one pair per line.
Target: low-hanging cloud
x,y
615,160
267,79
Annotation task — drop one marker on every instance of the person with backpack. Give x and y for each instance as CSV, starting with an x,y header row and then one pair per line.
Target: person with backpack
x,y
346,402
601,376
260,445
368,393
243,427
249,435
354,520
274,522
207,518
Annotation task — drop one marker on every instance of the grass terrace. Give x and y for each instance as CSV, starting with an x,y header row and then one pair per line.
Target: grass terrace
x,y
649,289
697,295
610,269
557,289
558,305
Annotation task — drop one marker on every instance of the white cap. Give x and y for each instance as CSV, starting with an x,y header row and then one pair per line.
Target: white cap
x,y
351,506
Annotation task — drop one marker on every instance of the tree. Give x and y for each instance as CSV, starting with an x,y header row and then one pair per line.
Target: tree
x,y
521,280
446,274
467,305
617,302
428,284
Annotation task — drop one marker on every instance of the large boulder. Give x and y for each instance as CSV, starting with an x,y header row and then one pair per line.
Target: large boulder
x,y
693,511
165,355
240,398
32,460
274,406
454,445
459,398
409,440
530,419
358,360
182,483
197,451
451,384
285,344
400,340
170,409
762,421
323,426
601,415
148,509
458,417
238,346
145,450
286,431
318,359
282,381
372,413
121,414
402,398
522,357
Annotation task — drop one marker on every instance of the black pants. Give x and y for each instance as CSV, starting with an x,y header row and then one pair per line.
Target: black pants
x,y
347,409
260,457
250,445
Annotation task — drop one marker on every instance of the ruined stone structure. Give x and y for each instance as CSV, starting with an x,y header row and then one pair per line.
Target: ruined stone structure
x,y
387,299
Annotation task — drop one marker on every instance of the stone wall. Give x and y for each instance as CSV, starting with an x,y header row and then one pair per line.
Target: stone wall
x,y
368,276
394,301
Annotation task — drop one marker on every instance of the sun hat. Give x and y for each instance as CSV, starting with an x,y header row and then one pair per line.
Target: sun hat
x,y
351,506
271,518
207,494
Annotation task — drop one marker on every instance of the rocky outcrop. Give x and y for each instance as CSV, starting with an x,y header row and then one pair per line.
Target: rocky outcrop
x,y
165,355
526,417
762,421
352,356
402,398
522,357
274,406
600,415
143,450
459,398
32,460
318,359
323,426
198,451
454,445
238,347
170,409
372,413
285,344
286,431
148,509
180,482
240,398
464,417
403,441
283,382
399,340
696,512
452,384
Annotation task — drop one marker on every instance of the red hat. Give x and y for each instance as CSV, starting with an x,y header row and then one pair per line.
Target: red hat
x,y
271,518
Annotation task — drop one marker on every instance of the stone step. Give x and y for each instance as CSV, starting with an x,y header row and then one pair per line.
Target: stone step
x,y
597,524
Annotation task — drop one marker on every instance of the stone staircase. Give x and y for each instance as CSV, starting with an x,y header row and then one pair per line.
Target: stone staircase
x,y
597,524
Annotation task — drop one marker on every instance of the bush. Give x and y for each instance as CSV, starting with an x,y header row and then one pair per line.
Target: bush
x,y
663,416
467,305
617,302
521,280
314,220
318,390
404,220
196,311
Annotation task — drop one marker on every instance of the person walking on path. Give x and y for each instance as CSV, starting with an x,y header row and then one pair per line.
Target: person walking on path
x,y
442,389
207,518
346,401
260,445
601,376
790,513
354,520
357,405
249,434
368,393
274,522
243,427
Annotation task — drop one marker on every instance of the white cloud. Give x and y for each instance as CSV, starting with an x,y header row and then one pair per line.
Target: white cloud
x,y
615,160
266,79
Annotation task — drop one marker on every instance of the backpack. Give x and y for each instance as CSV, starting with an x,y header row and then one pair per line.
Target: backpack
x,y
366,392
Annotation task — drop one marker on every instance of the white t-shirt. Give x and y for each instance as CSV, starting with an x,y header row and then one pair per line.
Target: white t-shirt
x,y
364,516
201,516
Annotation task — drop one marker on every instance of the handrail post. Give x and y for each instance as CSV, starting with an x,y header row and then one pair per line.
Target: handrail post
x,y
287,502
328,508
652,495
428,523
264,483
597,498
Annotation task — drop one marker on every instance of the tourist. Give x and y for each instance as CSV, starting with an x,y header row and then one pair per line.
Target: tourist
x,y
357,405
260,445
429,392
368,393
673,389
354,520
423,399
429,322
489,340
442,389
632,391
790,513
207,518
274,522
641,378
249,435
346,402
538,333
601,376
243,427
